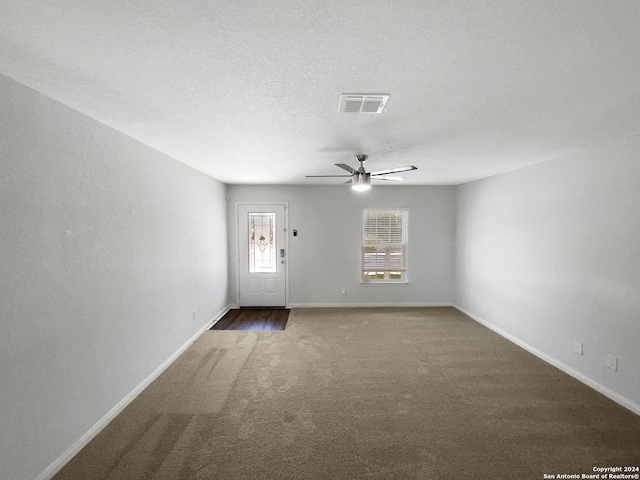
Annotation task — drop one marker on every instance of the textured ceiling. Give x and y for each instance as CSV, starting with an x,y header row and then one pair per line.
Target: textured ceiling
x,y
248,92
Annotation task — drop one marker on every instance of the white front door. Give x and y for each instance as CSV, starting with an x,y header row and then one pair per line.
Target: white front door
x,y
262,262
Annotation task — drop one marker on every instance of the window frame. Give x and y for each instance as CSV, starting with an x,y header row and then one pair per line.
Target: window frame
x,y
386,280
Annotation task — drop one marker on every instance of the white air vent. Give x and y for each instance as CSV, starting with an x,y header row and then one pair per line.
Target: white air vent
x,y
363,103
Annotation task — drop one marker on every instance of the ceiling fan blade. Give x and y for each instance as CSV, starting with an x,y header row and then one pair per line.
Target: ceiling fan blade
x,y
322,176
390,179
346,167
394,170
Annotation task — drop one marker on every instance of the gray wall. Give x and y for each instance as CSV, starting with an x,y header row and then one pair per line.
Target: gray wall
x,y
550,255
106,248
327,257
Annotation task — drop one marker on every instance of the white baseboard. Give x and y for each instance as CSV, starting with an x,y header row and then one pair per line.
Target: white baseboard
x,y
219,316
625,402
373,305
213,320
61,461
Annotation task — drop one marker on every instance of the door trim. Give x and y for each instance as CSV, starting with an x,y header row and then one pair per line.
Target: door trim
x,y
286,244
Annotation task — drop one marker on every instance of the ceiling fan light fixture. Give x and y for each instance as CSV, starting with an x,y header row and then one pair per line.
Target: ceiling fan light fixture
x,y
361,182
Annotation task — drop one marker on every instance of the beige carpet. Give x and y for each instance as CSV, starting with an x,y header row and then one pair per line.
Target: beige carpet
x,y
418,393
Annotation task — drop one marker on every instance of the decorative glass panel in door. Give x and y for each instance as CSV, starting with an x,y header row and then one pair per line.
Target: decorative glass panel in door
x,y
262,242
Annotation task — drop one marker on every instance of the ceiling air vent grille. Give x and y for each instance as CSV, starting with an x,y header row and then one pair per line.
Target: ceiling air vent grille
x,y
363,103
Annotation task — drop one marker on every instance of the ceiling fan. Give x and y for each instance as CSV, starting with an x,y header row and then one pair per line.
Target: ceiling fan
x,y
361,179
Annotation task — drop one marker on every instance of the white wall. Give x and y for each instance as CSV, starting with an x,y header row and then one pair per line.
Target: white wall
x,y
327,257
550,254
106,248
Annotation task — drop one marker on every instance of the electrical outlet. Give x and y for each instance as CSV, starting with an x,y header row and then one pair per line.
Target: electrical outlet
x,y
612,362
577,347
195,312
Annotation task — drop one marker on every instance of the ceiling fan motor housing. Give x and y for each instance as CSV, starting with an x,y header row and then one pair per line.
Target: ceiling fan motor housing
x,y
361,159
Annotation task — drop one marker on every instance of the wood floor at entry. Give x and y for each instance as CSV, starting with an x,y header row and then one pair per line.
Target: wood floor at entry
x,y
253,319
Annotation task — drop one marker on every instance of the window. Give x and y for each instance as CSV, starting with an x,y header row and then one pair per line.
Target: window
x,y
384,245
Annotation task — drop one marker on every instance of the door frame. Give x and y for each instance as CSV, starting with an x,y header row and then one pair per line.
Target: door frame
x,y
286,244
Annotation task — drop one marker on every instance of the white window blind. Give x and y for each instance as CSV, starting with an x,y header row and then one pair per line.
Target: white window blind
x,y
384,245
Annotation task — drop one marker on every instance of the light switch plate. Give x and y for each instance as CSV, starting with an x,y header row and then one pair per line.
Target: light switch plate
x,y
577,347
612,362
